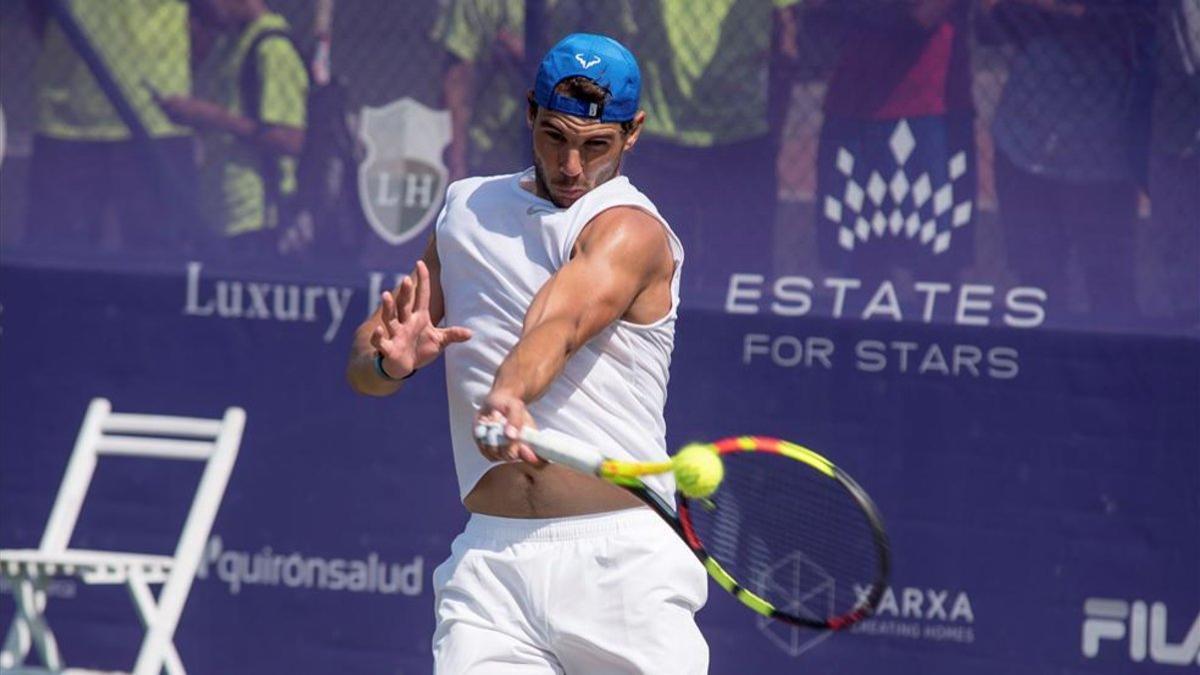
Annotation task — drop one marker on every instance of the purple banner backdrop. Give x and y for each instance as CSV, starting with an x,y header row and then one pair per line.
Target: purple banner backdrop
x,y
949,257
1022,471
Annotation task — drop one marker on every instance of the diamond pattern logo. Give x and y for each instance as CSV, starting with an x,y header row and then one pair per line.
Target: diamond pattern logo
x,y
907,205
876,188
902,142
899,185
845,162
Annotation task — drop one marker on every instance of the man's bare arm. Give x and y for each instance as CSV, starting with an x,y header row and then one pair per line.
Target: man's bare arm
x,y
620,256
280,139
404,329
194,112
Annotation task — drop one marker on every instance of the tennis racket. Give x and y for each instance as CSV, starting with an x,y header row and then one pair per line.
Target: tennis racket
x,y
787,533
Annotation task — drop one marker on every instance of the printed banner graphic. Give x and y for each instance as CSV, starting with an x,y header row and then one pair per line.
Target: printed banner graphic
x,y
1018,515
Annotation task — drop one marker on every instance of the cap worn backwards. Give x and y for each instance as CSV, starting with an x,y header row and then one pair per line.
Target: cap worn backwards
x,y
600,59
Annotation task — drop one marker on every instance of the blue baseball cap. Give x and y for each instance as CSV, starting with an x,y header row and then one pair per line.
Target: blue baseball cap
x,y
600,59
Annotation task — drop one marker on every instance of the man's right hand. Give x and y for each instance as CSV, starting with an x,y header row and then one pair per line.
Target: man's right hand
x,y
510,409
406,336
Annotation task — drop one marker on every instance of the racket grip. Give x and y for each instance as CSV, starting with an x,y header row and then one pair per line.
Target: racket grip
x,y
550,445
560,448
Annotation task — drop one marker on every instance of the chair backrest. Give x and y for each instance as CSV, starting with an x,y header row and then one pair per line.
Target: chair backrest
x,y
213,441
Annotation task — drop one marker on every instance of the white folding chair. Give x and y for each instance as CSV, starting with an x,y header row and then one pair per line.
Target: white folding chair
x,y
213,441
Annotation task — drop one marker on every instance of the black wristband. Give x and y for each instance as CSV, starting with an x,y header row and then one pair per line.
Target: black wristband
x,y
384,374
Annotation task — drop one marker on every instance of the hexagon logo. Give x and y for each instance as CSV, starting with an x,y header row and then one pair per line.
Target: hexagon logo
x,y
807,590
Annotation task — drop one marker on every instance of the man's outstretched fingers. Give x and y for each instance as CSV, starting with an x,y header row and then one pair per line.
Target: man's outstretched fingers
x,y
453,334
414,297
423,289
404,300
387,307
391,321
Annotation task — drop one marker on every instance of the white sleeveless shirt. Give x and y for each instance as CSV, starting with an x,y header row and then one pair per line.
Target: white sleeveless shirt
x,y
498,244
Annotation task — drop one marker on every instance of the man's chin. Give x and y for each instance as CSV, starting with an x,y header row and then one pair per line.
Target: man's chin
x,y
565,198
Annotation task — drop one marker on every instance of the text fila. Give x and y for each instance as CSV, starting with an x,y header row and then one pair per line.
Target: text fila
x,y
1146,631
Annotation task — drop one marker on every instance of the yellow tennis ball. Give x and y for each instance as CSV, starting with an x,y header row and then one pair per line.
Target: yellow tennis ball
x,y
698,470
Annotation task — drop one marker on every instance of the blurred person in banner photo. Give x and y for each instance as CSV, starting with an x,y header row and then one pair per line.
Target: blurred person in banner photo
x,y
1070,133
91,185
250,111
1175,155
481,87
553,293
896,168
713,118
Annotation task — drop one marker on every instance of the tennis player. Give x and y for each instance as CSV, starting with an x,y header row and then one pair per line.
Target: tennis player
x,y
553,294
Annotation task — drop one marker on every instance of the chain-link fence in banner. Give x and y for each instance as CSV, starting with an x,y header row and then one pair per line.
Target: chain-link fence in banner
x,y
1051,141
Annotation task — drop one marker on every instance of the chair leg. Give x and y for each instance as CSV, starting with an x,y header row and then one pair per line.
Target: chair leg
x,y
29,592
17,642
148,611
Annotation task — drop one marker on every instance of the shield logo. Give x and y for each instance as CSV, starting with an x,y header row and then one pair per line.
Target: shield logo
x,y
403,179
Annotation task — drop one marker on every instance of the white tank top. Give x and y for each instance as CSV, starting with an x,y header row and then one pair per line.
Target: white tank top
x,y
498,244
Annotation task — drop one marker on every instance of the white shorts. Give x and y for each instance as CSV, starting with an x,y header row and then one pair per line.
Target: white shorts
x,y
607,593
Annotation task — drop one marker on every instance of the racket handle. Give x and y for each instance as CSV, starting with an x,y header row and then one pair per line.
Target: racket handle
x,y
560,448
550,445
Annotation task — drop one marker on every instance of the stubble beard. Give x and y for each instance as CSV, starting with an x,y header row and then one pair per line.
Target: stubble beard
x,y
543,186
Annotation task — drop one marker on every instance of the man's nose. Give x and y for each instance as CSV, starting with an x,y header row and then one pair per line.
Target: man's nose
x,y
572,163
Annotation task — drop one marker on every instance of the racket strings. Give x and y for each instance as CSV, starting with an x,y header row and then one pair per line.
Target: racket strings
x,y
789,534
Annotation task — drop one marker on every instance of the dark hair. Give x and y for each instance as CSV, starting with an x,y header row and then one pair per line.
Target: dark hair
x,y
583,89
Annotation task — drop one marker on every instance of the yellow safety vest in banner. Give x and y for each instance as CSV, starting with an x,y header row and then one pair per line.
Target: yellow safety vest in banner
x,y
145,45
471,30
232,186
490,34
704,65
704,72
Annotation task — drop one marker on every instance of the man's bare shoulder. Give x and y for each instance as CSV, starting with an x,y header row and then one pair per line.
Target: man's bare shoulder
x,y
628,230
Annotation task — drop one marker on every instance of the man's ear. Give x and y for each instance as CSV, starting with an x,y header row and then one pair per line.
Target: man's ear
x,y
531,109
631,138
